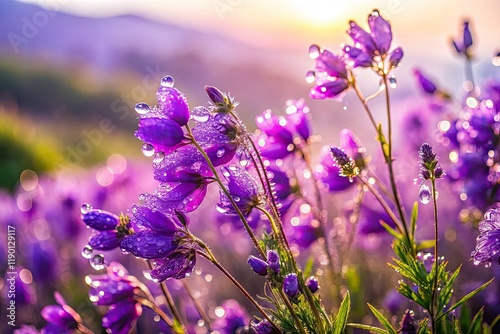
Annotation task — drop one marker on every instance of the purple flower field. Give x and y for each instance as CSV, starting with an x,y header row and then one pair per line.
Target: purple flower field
x,y
142,195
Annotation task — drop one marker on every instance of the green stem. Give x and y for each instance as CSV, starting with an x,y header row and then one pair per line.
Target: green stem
x,y
469,73
292,311
365,105
226,192
433,311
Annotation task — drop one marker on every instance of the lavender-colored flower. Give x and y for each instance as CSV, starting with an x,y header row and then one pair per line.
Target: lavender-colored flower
x,y
222,103
231,318
244,190
276,141
331,77
178,265
429,167
424,83
121,317
463,46
488,242
61,318
110,229
369,220
329,173
427,260
408,323
258,266
173,104
344,162
297,113
273,260
352,146
281,182
291,285
312,284
395,57
149,244
261,327
163,133
116,289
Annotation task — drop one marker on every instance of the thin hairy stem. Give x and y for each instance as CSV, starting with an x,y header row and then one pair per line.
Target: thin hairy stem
x,y
433,310
84,329
469,73
154,307
289,305
365,105
197,304
226,192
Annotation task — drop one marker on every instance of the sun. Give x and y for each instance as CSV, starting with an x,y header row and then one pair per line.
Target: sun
x,y
320,12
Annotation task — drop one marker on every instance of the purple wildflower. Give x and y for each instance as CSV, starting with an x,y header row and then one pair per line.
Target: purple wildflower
x,y
61,318
488,242
429,167
261,327
331,77
425,84
329,173
244,190
291,285
178,265
110,229
369,220
463,46
231,318
116,290
346,165
258,266
408,323
222,103
273,260
312,284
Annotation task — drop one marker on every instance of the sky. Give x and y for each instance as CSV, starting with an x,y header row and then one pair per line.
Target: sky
x,y
288,23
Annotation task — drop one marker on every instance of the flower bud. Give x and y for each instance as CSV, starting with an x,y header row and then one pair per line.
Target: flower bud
x,y
291,285
259,266
312,284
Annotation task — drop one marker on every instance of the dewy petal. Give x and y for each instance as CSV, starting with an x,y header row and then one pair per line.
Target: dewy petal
x,y
57,316
467,35
363,60
258,266
298,118
281,182
329,89
273,148
101,220
426,85
351,51
105,291
121,317
173,103
221,154
395,57
362,37
380,31
105,240
178,265
145,217
162,133
332,64
149,244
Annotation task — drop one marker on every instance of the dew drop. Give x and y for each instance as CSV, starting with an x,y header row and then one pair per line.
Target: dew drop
x,y
221,209
148,150
310,76
159,156
87,252
86,208
393,82
236,198
167,81
220,152
344,107
142,108
375,13
97,262
314,51
424,194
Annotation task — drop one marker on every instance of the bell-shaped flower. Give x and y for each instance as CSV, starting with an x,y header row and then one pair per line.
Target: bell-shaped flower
x,y
244,190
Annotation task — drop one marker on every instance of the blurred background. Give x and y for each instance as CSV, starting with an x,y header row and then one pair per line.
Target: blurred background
x,y
71,73
68,68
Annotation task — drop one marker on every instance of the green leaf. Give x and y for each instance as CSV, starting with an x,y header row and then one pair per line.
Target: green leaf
x,y
476,323
368,328
422,329
392,231
425,244
465,318
447,290
308,268
413,219
383,321
342,315
383,142
466,298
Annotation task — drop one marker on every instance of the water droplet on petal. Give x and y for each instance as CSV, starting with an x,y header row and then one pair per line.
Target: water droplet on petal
x,y
97,262
314,51
159,156
236,198
167,81
86,208
220,152
424,194
310,76
87,252
221,209
375,13
142,108
393,82
148,150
